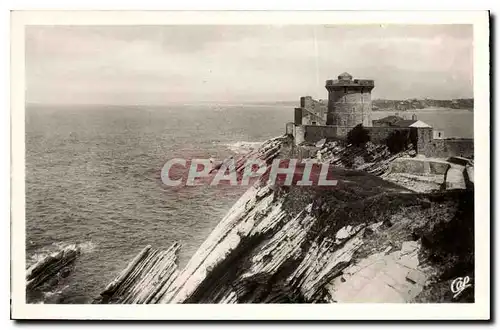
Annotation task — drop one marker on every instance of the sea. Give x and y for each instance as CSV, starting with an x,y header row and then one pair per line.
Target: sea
x,y
93,178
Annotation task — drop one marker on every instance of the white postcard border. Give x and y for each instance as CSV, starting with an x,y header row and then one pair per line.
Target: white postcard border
x,y
479,310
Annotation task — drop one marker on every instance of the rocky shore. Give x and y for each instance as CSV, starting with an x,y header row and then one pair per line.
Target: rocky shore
x,y
371,238
50,272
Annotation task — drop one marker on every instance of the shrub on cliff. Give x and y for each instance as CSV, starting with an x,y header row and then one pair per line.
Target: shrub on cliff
x,y
358,136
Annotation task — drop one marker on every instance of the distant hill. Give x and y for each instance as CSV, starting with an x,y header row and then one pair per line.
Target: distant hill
x,y
284,103
413,104
397,105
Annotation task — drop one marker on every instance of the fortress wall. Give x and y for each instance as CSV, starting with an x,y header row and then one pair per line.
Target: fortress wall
x,y
419,166
300,132
367,108
425,138
444,148
298,116
314,106
426,145
380,134
314,133
290,129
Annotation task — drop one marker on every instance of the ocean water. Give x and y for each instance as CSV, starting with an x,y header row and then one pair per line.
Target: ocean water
x,y
93,178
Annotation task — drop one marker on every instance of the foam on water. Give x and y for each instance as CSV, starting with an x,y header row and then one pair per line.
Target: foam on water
x,y
243,147
43,252
55,293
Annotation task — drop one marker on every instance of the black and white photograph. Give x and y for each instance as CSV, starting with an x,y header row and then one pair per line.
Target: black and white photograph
x,y
252,162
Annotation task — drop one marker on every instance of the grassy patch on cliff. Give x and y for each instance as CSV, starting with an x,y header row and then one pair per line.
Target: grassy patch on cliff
x,y
442,221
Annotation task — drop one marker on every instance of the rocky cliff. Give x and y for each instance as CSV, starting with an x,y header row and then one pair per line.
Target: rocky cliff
x,y
364,240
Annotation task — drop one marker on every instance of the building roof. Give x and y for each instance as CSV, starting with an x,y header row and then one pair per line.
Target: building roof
x,y
419,123
397,121
405,123
412,123
391,120
345,76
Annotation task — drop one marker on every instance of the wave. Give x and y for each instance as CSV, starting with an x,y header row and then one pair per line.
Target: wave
x,y
40,254
52,294
54,289
243,147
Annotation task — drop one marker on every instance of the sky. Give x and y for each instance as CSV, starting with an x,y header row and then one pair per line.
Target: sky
x,y
189,64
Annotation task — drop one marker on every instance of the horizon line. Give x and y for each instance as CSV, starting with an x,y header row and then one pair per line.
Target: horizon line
x,y
228,103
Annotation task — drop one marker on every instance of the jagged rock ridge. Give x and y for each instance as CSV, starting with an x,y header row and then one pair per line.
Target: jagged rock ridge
x,y
364,240
45,274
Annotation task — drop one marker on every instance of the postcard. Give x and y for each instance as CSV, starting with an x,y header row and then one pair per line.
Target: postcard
x,y
250,165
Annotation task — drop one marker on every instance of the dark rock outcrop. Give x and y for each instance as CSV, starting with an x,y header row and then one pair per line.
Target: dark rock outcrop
x,y
45,275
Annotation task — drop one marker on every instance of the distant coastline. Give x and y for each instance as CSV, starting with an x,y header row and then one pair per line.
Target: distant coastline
x,y
378,104
417,104
429,109
393,105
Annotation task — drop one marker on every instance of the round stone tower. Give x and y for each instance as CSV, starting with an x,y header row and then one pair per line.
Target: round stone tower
x,y
349,101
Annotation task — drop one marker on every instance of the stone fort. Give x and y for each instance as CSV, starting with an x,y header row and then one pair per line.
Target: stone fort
x,y
349,104
349,101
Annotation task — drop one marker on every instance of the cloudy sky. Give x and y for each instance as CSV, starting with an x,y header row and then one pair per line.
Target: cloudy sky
x,y
163,64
